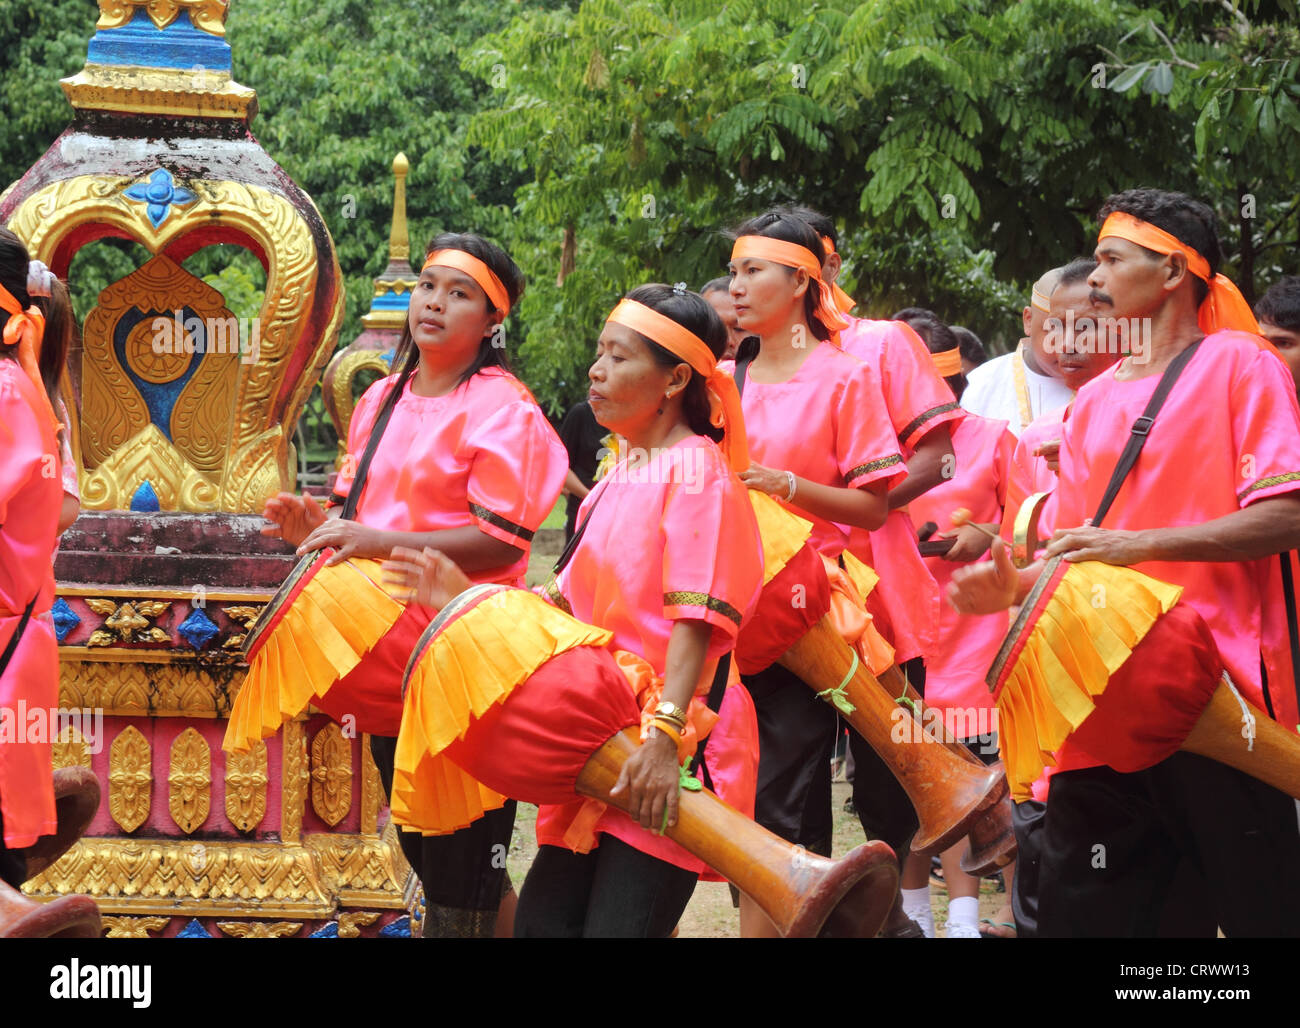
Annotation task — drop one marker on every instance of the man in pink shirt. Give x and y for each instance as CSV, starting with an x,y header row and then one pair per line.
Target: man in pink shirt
x,y
1214,494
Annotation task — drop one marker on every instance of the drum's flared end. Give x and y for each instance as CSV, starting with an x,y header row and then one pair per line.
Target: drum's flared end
x,y
76,801
852,898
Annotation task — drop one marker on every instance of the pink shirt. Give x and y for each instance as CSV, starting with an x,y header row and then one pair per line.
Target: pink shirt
x,y
826,424
916,396
966,644
31,494
1228,436
674,539
917,400
483,455
1029,474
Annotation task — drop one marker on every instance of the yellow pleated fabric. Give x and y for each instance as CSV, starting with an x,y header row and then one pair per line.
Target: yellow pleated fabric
x,y
783,533
862,576
1084,634
337,618
474,662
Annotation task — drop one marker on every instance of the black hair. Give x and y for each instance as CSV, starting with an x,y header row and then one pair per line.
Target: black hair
x,y
407,356
908,313
816,220
1076,271
61,331
972,347
716,285
13,273
1187,220
696,315
938,338
792,229
1280,305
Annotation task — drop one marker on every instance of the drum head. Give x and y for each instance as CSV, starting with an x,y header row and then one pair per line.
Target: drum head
x,y
270,613
458,605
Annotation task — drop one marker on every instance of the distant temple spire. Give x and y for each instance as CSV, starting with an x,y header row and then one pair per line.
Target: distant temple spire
x,y
393,287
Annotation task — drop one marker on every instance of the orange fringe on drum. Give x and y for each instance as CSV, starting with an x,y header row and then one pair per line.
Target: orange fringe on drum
x,y
1078,631
319,639
469,670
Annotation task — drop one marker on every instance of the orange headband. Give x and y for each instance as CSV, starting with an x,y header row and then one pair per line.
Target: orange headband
x,y
1223,306
26,329
947,362
843,301
792,255
724,398
478,271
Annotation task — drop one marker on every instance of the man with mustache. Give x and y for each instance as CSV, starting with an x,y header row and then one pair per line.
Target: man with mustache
x,y
1214,494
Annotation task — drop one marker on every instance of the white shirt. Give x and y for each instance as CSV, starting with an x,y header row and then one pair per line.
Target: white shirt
x,y
991,393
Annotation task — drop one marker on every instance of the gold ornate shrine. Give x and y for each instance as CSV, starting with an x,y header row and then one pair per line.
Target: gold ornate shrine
x,y
183,415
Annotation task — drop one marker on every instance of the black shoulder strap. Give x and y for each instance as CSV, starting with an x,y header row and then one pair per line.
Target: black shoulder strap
x,y
1288,594
1141,429
349,511
17,636
572,547
716,692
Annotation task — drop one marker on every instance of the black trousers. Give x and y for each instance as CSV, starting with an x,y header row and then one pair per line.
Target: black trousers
x,y
13,863
1116,848
613,892
883,809
796,735
463,874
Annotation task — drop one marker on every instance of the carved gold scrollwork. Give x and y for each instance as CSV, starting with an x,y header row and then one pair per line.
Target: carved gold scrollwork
x,y
260,929
246,616
372,790
331,774
189,781
147,456
205,15
137,688
296,266
295,775
130,779
246,781
165,876
351,922
127,622
342,375
133,927
70,749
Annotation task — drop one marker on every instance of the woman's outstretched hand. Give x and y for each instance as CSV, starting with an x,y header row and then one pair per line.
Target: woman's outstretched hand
x,y
427,577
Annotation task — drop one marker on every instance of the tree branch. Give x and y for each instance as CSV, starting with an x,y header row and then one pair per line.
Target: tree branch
x,y
1176,59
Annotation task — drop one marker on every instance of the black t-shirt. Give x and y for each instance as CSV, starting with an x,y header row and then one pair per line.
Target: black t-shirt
x,y
582,436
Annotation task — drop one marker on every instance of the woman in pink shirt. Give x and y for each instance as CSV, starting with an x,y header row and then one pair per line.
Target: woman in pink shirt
x,y
30,499
468,464
822,445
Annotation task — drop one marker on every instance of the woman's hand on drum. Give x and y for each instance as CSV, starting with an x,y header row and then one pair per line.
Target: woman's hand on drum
x,y
428,577
766,480
293,518
985,588
348,538
651,779
1108,545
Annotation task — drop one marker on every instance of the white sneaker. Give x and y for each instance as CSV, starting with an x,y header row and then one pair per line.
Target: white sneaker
x,y
960,930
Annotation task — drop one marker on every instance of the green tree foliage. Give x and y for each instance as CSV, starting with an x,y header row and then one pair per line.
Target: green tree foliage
x,y
962,146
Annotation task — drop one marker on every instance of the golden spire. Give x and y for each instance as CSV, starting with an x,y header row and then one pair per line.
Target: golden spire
x,y
393,287
399,240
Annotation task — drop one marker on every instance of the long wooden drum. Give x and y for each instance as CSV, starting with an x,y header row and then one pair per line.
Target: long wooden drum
x,y
1108,660
530,702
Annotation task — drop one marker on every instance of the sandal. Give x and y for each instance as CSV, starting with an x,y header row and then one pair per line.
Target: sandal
x,y
987,929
